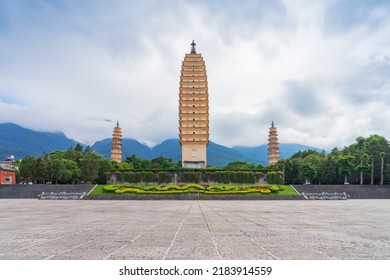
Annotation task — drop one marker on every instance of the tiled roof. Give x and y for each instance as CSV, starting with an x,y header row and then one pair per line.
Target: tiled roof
x,y
7,168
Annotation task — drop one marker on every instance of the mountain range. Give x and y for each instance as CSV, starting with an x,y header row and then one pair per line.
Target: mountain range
x,y
20,142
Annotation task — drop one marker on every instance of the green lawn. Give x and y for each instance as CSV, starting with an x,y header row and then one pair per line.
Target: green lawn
x,y
98,190
288,190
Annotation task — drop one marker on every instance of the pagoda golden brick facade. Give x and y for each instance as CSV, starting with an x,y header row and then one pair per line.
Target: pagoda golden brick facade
x,y
116,147
273,145
193,110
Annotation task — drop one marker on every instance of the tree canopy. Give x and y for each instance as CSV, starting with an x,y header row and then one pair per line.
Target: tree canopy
x,y
366,161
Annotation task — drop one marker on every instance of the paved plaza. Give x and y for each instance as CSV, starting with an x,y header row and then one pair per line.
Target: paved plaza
x,y
288,230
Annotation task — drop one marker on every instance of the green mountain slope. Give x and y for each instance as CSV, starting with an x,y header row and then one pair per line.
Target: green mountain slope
x,y
20,142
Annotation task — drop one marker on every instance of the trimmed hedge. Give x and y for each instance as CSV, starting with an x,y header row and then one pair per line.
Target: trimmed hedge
x,y
223,176
275,177
194,187
190,177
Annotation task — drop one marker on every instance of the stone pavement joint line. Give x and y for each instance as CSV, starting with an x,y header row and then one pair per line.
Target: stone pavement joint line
x,y
166,229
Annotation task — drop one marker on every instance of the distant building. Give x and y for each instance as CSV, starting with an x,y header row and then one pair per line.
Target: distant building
x,y
7,174
116,146
273,145
193,110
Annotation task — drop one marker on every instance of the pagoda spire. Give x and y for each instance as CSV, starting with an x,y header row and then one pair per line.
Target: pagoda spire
x,y
193,50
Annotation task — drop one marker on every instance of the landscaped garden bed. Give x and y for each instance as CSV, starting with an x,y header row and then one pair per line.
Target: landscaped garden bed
x,y
193,189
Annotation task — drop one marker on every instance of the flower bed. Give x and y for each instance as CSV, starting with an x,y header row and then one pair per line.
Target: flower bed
x,y
195,188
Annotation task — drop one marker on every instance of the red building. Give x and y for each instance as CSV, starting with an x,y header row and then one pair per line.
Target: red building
x,y
7,175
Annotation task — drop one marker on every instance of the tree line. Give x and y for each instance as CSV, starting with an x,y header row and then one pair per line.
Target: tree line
x,y
79,165
364,162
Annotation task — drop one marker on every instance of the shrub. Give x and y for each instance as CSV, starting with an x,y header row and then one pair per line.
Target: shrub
x,y
275,177
111,188
232,188
151,188
148,177
129,177
190,177
261,187
255,191
164,177
216,188
126,190
171,188
161,192
194,187
274,188
265,191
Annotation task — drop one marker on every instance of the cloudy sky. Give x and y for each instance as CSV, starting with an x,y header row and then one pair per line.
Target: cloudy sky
x,y
319,69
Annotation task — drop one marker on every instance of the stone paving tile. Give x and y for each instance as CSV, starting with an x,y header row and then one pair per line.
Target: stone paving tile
x,y
33,229
138,253
194,252
94,250
248,253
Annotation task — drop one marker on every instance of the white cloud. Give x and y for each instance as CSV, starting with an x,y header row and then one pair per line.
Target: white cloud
x,y
323,80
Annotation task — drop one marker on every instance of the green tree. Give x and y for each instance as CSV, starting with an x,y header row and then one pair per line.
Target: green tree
x,y
88,149
382,156
124,165
373,146
74,154
29,168
105,166
239,165
90,166
72,171
327,170
308,172
345,164
135,161
363,166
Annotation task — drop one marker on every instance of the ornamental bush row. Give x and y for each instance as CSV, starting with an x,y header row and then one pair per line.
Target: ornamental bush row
x,y
224,177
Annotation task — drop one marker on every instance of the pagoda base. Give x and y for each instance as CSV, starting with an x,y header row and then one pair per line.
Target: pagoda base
x,y
194,156
194,164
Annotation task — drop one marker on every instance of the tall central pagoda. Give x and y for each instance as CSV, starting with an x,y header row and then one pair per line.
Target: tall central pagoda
x,y
193,110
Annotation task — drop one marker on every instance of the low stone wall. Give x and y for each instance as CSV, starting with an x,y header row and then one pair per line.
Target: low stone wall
x,y
32,191
353,191
326,196
61,195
